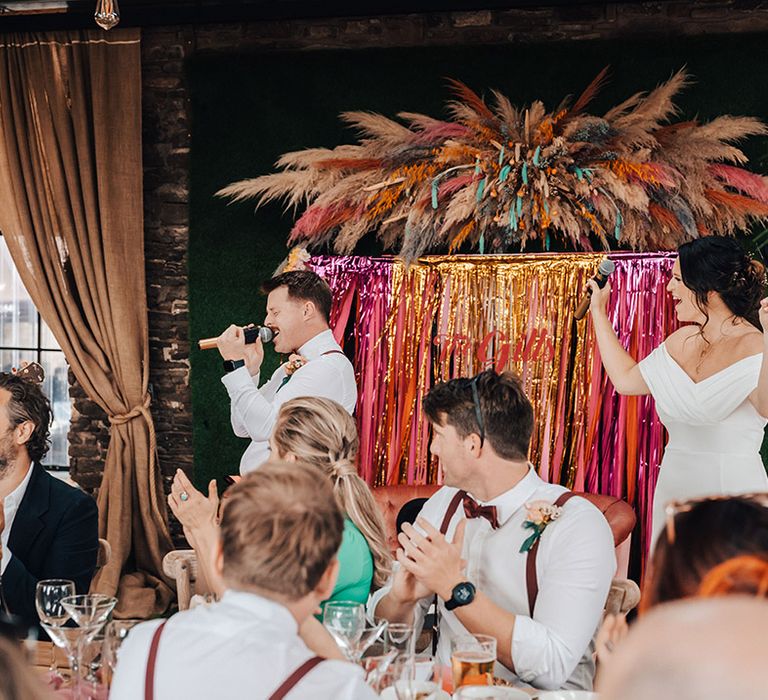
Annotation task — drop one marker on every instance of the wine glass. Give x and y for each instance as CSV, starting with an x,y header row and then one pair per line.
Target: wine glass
x,y
90,609
375,669
412,677
93,668
345,621
69,639
114,634
48,596
367,638
400,636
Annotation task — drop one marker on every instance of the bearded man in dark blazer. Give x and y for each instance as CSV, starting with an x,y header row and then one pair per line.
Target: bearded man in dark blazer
x,y
48,529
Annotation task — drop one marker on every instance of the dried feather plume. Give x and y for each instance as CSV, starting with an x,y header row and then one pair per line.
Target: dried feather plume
x,y
496,176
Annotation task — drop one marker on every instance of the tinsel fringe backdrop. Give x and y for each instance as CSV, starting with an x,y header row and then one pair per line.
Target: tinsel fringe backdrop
x,y
452,316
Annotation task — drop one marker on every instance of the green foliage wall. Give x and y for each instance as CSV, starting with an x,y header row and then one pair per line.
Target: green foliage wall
x,y
248,109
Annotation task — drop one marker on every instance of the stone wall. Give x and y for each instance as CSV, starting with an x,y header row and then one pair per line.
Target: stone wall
x,y
166,132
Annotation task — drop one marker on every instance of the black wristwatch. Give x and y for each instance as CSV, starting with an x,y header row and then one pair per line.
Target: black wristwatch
x,y
462,594
232,365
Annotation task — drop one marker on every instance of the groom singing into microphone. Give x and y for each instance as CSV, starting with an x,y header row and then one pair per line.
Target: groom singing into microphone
x,y
298,312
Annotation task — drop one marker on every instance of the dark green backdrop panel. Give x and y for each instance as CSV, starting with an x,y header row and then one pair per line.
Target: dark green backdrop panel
x,y
249,109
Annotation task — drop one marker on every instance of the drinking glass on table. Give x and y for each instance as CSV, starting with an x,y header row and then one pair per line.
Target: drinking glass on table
x,y
400,636
411,677
92,667
114,634
472,659
89,609
69,639
345,620
48,596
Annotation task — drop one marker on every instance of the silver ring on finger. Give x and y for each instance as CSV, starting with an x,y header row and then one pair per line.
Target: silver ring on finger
x,y
184,496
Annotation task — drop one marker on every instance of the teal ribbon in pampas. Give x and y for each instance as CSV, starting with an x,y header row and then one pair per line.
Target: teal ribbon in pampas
x,y
481,189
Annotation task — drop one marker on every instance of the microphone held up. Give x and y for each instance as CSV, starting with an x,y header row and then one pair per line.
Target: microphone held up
x,y
250,335
604,271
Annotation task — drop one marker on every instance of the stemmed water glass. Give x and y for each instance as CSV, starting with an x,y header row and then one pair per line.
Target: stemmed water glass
x,y
69,639
114,634
412,677
89,610
48,596
345,620
400,636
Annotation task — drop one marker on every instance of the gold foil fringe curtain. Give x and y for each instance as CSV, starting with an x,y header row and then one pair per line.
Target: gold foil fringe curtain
x,y
453,316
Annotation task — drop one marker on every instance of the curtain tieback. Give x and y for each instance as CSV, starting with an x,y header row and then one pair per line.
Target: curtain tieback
x,y
135,412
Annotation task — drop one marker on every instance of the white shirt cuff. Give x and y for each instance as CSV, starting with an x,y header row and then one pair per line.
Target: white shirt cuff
x,y
6,559
239,379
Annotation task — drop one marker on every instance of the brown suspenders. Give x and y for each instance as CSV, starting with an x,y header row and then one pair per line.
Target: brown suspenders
x,y
295,677
453,506
531,579
285,687
149,678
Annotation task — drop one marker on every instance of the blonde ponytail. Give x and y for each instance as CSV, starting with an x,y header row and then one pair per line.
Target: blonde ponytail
x,y
320,432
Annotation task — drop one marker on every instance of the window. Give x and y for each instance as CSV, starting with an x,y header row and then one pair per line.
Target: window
x,y
24,336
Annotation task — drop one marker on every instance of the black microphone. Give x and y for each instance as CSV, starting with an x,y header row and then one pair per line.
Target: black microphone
x,y
250,334
604,271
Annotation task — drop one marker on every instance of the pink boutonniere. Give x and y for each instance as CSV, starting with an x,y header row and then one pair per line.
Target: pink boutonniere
x,y
539,514
294,362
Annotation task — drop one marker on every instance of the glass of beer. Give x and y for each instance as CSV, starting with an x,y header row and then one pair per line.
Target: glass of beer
x,y
472,659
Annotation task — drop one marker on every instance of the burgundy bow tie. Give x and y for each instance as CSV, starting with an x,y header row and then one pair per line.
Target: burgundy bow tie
x,y
472,509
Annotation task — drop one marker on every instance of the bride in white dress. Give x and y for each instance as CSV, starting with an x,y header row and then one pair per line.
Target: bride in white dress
x,y
709,379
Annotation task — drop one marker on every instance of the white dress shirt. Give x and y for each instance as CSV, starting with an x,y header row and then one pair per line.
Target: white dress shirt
x,y
244,646
575,566
10,508
254,411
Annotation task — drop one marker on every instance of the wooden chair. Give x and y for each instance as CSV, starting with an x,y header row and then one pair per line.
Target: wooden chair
x,y
623,596
181,566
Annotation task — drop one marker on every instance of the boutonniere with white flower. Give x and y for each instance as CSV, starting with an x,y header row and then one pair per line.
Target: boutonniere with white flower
x,y
539,514
294,362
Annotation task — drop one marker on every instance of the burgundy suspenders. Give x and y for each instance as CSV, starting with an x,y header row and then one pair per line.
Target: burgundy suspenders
x,y
295,677
285,687
458,497
531,579
149,678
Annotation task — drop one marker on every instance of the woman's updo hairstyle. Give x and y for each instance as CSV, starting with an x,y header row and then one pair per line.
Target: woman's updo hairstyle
x,y
719,264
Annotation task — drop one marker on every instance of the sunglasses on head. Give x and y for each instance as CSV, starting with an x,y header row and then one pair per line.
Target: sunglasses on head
x,y
478,412
674,508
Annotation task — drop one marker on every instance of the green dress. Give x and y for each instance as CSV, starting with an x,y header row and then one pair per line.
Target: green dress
x,y
355,566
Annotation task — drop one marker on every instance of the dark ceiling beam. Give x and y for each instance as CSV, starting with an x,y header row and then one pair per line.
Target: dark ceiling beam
x,y
43,15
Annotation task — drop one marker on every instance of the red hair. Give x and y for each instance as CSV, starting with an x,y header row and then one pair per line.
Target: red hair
x,y
747,574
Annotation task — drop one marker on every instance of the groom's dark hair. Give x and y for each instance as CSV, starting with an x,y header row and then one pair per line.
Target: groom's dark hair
x,y
505,411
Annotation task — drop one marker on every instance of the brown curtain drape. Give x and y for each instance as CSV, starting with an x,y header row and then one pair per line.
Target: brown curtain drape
x,y
72,212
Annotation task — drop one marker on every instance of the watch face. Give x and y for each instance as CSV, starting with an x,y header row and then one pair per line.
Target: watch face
x,y
463,593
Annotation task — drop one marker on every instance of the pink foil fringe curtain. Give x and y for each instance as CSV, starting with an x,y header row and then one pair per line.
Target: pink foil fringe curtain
x,y
450,316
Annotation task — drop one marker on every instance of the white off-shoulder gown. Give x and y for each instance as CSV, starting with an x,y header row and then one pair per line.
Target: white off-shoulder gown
x,y
715,432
